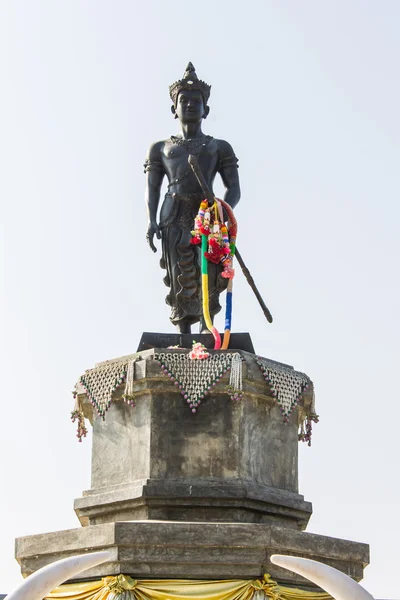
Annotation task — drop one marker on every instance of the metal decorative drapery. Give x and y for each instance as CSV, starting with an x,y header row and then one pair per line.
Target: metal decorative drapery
x,y
288,386
196,376
99,384
195,373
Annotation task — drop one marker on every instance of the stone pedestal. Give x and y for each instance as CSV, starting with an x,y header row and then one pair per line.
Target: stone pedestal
x,y
182,550
231,461
210,495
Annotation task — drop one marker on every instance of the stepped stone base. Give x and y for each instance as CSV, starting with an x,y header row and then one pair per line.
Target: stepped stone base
x,y
179,550
177,495
189,500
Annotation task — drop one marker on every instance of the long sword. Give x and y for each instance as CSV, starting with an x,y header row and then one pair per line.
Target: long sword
x,y
193,162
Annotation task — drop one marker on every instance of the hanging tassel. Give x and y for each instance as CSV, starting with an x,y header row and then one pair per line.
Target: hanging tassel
x,y
235,387
128,395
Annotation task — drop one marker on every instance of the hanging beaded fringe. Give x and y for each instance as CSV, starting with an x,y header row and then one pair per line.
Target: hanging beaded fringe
x,y
130,378
235,387
196,378
99,385
287,387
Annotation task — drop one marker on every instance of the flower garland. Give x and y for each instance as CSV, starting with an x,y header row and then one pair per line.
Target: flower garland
x,y
77,415
217,246
221,244
305,432
198,351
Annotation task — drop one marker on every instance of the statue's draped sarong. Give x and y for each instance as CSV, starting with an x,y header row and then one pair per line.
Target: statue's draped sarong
x,y
181,259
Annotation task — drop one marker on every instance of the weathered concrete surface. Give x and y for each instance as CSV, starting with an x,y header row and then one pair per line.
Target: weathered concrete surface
x,y
233,500
228,462
156,549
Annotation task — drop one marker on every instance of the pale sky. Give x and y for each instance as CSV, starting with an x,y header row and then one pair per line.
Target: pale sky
x,y
308,94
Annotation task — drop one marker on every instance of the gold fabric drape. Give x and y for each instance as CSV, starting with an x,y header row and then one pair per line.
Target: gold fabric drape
x,y
181,589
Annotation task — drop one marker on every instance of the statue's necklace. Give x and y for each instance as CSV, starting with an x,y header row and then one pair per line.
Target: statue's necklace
x,y
191,145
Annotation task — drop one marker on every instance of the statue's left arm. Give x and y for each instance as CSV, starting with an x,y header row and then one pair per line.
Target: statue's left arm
x,y
154,169
228,169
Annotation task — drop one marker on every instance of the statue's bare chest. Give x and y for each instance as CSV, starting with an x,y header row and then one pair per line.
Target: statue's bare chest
x,y
176,152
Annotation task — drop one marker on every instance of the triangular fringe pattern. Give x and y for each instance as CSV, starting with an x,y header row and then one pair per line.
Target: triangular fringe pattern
x,y
287,386
195,378
99,384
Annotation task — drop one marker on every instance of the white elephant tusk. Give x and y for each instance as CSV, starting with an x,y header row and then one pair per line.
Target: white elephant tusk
x,y
336,583
43,581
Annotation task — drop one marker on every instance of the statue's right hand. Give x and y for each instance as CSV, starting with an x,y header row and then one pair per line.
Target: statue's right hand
x,y
153,229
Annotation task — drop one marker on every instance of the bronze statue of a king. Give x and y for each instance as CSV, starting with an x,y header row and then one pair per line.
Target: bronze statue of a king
x,y
180,258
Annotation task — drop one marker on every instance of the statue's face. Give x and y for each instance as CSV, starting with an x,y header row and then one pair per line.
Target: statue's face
x,y
190,107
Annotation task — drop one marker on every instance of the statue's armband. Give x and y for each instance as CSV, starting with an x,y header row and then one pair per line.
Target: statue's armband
x,y
153,165
228,161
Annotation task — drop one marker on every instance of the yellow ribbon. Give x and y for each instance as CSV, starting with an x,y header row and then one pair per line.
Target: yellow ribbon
x,y
119,584
269,587
178,589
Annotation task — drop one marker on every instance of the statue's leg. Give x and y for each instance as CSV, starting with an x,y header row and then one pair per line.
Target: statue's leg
x,y
203,326
183,326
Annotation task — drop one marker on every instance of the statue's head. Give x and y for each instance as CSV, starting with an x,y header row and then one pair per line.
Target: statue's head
x,y
190,96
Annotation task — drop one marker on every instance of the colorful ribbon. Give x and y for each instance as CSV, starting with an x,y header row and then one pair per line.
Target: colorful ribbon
x,y
232,228
205,293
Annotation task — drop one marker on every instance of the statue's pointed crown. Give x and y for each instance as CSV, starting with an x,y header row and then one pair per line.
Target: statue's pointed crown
x,y
189,81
